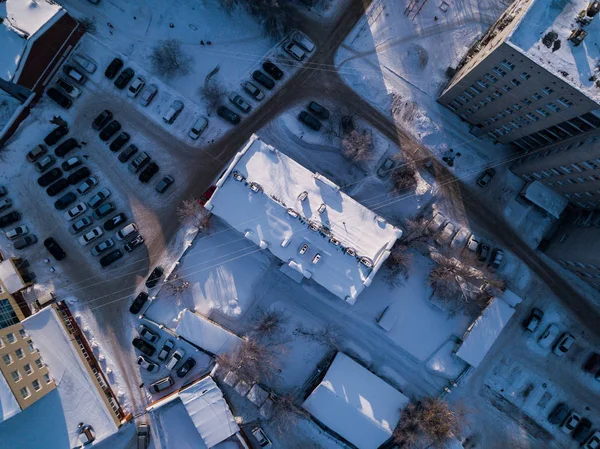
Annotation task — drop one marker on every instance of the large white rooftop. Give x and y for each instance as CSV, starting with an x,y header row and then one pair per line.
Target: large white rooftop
x,y
580,63
9,406
294,206
206,334
9,277
356,404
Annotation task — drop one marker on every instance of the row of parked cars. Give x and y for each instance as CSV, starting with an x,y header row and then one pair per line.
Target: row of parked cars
x,y
548,338
573,424
19,235
309,117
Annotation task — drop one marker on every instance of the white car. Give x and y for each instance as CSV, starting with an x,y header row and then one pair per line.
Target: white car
x,y
473,244
593,442
126,231
295,51
86,63
90,236
436,223
17,232
198,127
147,364
175,358
303,41
75,211
548,336
135,87
148,94
563,345
86,185
570,423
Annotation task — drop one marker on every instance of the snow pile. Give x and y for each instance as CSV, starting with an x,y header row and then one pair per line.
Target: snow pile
x,y
280,205
206,334
356,404
9,406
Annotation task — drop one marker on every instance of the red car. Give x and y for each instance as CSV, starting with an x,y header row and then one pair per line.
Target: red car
x,y
206,195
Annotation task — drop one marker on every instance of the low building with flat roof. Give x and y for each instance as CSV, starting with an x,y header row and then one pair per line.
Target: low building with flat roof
x,y
304,219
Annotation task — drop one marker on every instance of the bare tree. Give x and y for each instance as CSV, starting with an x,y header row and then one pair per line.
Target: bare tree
x,y
397,266
168,58
274,15
192,213
177,285
328,335
417,232
357,146
269,322
428,424
254,362
404,175
88,24
286,412
212,92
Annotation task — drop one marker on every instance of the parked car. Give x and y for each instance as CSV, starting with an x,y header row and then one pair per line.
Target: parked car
x,y
263,79
138,162
68,88
186,367
309,120
126,231
135,87
74,74
154,277
48,178
166,349
90,236
318,110
486,177
110,130
142,346
85,62
548,336
570,423
102,246
55,249
37,152
161,384
102,119
113,68
44,163
64,201
86,185
56,134
239,102
147,364
253,90
59,98
71,163
134,243
582,431
148,94
111,258
75,211
147,334
227,114
5,204
25,241
176,357
65,147
119,142
136,307
484,252
198,127
57,187
593,442
78,175
80,225
164,184
103,210
124,77
207,195
497,257
564,343
9,218
261,437
98,198
127,153
173,111
303,41
272,70
17,232
294,50
148,172
532,322
446,234
115,221
559,414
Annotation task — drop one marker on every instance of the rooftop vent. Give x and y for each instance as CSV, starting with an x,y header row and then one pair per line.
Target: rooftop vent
x,y
577,36
303,196
238,177
351,252
321,208
293,213
334,241
255,187
593,9
314,226
366,262
549,38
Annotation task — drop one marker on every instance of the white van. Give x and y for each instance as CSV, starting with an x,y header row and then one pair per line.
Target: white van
x,y
198,127
86,63
173,112
125,231
161,384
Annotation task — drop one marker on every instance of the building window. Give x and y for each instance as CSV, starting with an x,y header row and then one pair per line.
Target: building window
x,y
590,165
22,333
25,392
36,385
468,95
490,99
498,71
1,342
20,353
530,116
525,76
501,115
542,112
498,94
8,317
39,363
507,64
16,375
483,84
506,88
576,167
7,359
565,102
556,172
457,103
560,183
451,107
553,107
547,90
46,378
527,101
30,347
28,369
491,78
515,82
474,89
536,96
11,338
517,107
483,103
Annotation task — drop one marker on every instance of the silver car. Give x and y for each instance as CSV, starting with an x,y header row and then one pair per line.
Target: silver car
x,y
103,246
135,87
148,94
198,127
239,102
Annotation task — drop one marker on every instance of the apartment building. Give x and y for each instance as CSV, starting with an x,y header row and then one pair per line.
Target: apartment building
x,y
525,82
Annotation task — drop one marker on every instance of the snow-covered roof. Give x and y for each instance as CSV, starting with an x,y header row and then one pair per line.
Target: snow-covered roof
x,y
542,17
206,334
20,19
209,411
9,277
327,220
545,198
484,331
80,397
356,404
9,406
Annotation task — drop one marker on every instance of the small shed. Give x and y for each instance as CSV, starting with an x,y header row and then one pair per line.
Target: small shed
x,y
206,334
545,198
